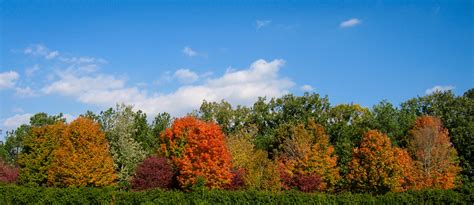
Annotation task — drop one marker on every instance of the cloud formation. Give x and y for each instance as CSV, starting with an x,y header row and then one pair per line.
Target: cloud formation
x,y
8,79
439,88
238,87
189,51
262,23
15,121
41,50
350,23
186,76
307,88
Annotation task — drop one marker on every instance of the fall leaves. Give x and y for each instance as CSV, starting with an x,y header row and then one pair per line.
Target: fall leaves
x,y
430,162
197,153
64,155
198,150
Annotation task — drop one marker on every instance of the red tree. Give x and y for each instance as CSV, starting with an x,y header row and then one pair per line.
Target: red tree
x,y
198,151
153,172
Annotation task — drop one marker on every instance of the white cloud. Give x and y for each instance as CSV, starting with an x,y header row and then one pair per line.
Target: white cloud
x,y
30,71
8,79
238,87
186,76
72,85
82,60
307,88
52,54
189,51
25,92
41,50
16,120
262,23
439,88
350,23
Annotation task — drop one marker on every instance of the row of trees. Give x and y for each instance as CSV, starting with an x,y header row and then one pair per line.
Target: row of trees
x,y
283,143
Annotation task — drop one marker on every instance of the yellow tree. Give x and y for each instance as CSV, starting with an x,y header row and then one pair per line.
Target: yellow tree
x,y
321,160
260,173
433,153
308,153
373,167
82,159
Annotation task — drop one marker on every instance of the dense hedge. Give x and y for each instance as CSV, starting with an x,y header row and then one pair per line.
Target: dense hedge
x,y
10,194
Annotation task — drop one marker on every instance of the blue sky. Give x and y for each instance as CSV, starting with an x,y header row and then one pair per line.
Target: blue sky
x,y
69,57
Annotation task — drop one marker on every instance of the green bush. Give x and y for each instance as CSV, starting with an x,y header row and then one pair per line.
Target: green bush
x,y
10,194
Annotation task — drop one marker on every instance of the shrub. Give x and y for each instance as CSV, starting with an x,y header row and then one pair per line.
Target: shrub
x,y
237,179
39,195
152,173
8,173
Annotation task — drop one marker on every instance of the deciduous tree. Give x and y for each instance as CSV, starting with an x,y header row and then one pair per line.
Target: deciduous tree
x,y
433,153
36,157
374,167
153,172
198,150
82,157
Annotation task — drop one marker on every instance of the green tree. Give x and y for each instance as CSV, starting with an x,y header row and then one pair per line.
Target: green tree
x,y
15,138
120,127
345,128
35,159
161,122
457,115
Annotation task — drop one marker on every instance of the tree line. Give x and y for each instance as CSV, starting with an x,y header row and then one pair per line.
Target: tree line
x,y
286,143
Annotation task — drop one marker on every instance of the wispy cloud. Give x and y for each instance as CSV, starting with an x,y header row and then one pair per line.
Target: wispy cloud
x,y
262,23
439,88
186,76
41,50
307,88
8,79
31,70
15,121
25,92
189,51
350,23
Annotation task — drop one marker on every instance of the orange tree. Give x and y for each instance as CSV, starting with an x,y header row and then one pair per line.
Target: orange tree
x,y
373,167
198,152
433,153
82,159
410,175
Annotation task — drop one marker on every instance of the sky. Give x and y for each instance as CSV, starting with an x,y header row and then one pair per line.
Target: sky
x,y
169,56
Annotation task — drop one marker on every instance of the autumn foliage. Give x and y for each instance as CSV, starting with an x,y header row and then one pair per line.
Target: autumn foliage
x,y
82,159
257,170
198,150
35,160
374,167
410,174
308,155
8,173
434,155
154,172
